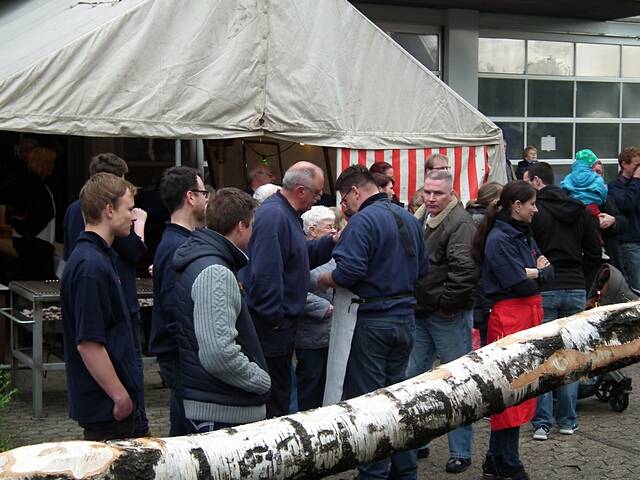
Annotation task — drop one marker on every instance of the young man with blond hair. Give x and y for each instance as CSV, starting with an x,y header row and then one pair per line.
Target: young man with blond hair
x,y
103,380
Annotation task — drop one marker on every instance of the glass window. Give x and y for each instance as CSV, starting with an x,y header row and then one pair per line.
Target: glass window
x,y
595,60
602,138
631,100
630,61
610,171
549,58
500,55
513,133
553,140
630,135
598,100
559,172
501,97
548,98
423,48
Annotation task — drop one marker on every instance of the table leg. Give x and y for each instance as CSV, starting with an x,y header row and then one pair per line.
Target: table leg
x,y
13,334
37,360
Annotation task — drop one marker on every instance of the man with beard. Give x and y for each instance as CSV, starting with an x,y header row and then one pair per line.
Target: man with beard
x,y
184,194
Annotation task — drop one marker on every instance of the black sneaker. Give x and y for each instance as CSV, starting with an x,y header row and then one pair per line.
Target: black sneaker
x,y
457,465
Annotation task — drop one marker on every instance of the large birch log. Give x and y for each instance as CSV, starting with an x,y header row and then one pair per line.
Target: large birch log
x,y
338,437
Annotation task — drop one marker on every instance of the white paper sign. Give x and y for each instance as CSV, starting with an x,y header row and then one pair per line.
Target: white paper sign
x,y
548,144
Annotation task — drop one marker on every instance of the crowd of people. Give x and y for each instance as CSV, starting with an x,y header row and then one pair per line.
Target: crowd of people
x,y
243,290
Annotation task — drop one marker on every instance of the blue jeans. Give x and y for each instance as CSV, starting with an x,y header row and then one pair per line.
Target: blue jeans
x,y
169,369
378,358
630,252
559,304
450,338
504,449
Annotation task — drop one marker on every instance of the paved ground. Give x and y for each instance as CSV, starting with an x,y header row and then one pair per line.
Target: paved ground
x,y
605,447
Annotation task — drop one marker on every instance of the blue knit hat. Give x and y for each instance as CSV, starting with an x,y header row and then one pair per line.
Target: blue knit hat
x,y
586,156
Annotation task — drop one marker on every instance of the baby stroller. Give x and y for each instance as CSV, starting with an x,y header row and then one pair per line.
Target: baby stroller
x,y
614,387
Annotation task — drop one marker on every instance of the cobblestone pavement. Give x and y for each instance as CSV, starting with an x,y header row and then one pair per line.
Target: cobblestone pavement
x,y
605,447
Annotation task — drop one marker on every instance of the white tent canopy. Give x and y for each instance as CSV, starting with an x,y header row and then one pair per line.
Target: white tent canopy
x,y
311,71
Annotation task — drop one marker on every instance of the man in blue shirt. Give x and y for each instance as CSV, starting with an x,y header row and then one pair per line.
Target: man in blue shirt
x,y
129,248
102,372
184,195
277,276
379,257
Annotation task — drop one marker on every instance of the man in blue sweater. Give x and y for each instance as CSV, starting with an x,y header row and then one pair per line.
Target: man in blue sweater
x,y
380,257
129,248
277,276
184,195
223,370
625,190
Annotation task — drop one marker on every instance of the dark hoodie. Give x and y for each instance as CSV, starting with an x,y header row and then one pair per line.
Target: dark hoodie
x,y
564,231
217,380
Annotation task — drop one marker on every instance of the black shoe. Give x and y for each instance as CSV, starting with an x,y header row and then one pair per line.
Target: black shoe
x,y
424,452
457,465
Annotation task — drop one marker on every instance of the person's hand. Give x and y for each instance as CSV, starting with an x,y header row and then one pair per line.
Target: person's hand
x,y
122,407
150,270
325,282
606,220
139,215
542,262
329,312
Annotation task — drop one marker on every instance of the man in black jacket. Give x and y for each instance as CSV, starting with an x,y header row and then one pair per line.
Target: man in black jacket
x,y
568,238
444,317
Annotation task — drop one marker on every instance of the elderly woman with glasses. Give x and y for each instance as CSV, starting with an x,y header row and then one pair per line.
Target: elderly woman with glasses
x,y
312,336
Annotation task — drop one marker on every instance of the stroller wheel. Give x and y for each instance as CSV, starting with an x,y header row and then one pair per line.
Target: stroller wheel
x,y
619,403
603,391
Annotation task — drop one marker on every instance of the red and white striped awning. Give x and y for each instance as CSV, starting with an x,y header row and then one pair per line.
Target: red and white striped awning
x,y
470,167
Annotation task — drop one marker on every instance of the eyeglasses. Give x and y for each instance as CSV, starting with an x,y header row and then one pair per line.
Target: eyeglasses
x,y
343,201
205,193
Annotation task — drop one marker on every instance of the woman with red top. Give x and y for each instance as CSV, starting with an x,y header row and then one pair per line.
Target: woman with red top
x,y
512,269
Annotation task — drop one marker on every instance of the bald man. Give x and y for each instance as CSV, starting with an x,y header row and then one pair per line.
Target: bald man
x,y
277,276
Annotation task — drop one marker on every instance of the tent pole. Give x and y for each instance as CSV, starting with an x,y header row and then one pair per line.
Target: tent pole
x,y
178,152
200,156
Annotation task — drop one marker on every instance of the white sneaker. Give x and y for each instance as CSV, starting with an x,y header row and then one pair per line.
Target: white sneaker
x,y
567,430
541,433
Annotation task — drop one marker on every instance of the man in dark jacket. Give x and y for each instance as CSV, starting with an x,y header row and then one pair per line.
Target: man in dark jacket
x,y
129,249
223,370
444,317
625,190
567,237
185,196
379,257
277,276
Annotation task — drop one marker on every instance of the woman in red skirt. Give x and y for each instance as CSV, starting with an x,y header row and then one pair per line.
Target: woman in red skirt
x,y
512,269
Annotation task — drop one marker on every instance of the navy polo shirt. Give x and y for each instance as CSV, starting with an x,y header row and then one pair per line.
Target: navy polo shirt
x,y
130,249
162,339
94,309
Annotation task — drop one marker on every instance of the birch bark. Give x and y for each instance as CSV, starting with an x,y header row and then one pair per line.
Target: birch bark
x,y
338,437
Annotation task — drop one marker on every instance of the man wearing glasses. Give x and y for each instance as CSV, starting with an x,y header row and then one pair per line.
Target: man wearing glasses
x,y
183,193
379,257
277,276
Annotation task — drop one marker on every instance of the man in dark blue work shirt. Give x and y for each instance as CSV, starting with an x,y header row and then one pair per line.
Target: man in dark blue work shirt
x,y
104,386
379,257
129,248
185,196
